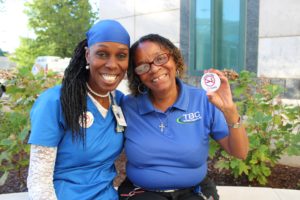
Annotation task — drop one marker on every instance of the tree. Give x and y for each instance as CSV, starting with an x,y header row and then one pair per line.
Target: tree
x,y
60,24
28,50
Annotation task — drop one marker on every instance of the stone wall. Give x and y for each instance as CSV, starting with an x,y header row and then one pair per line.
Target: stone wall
x,y
279,44
144,17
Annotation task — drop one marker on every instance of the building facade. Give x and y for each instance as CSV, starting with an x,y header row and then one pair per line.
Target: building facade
x,y
262,36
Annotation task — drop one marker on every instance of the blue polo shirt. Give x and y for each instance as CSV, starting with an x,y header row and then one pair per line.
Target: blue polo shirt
x,y
177,157
81,172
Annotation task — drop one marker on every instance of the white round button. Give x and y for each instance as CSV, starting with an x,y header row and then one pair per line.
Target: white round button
x,y
89,117
210,82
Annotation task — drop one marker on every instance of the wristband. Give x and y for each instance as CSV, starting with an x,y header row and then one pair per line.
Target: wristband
x,y
238,124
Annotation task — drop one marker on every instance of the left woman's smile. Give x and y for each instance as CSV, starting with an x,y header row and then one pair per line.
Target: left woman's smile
x,y
109,77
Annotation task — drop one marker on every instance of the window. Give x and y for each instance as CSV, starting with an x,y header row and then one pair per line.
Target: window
x,y
217,34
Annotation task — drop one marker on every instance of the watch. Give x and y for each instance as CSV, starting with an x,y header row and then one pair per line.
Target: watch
x,y
238,124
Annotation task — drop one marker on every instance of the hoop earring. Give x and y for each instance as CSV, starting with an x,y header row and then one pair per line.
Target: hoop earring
x,y
177,73
87,67
142,88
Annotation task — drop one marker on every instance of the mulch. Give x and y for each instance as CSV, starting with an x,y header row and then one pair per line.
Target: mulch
x,y
282,176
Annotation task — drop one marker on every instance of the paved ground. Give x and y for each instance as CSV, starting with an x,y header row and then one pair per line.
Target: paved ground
x,y
226,193
257,193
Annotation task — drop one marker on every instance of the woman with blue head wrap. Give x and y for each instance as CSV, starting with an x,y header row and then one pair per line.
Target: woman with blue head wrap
x,y
75,138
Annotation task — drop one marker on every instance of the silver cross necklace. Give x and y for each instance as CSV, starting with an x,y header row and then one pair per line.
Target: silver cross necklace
x,y
164,123
162,126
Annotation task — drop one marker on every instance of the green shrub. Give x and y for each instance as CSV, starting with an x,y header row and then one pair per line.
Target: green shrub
x,y
272,127
22,90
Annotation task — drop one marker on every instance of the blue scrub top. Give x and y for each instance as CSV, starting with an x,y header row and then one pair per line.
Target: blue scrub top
x,y
175,158
80,172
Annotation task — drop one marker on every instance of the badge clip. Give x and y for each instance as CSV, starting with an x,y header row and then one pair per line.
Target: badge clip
x,y
121,122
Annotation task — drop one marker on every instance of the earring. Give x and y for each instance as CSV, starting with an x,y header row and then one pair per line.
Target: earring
x,y
177,73
142,88
87,67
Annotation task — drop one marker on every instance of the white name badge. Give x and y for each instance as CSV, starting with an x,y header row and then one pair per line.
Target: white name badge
x,y
119,115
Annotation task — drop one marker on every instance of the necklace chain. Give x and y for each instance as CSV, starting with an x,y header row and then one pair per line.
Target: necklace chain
x,y
164,123
95,93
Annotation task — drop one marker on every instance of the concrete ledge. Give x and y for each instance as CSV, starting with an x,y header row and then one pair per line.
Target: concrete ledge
x,y
14,196
225,192
256,193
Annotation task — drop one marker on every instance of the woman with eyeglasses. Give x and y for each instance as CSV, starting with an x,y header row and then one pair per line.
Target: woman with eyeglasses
x,y
169,124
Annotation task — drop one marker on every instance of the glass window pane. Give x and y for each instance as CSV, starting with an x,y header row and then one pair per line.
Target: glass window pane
x,y
229,46
219,34
203,35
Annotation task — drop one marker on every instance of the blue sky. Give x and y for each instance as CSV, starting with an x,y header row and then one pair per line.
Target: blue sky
x,y
13,23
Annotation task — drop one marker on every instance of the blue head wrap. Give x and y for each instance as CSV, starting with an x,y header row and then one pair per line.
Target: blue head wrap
x,y
107,31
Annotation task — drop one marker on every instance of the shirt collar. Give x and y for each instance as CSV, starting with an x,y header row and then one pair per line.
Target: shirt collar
x,y
145,105
182,101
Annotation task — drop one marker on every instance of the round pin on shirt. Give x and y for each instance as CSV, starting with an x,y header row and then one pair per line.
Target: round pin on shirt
x,y
89,117
210,82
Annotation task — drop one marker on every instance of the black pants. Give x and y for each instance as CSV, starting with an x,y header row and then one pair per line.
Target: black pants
x,y
127,191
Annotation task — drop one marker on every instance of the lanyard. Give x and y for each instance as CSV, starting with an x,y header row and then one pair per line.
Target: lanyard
x,y
121,123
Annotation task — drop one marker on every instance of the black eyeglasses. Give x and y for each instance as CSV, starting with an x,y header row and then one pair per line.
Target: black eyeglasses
x,y
158,60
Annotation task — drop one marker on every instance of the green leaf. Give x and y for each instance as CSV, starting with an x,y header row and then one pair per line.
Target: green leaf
x,y
3,156
254,170
277,119
6,142
3,178
213,148
234,164
253,161
243,168
262,180
23,135
222,165
266,171
251,177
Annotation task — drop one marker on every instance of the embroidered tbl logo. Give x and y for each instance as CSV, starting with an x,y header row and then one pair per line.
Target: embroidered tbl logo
x,y
89,117
189,118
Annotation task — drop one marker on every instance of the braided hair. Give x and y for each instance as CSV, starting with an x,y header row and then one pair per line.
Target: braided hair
x,y
74,92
